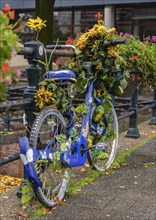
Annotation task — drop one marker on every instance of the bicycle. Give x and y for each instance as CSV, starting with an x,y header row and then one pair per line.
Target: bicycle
x,y
47,158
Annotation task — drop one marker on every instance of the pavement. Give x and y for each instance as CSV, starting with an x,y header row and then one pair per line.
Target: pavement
x,y
128,194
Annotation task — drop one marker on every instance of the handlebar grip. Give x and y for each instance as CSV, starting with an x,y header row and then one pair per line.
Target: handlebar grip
x,y
115,42
26,51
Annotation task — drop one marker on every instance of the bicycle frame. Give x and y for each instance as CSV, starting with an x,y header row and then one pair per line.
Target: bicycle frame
x,y
79,147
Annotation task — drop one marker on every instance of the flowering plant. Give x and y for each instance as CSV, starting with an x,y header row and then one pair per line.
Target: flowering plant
x,y
8,48
136,59
105,61
37,24
140,57
48,92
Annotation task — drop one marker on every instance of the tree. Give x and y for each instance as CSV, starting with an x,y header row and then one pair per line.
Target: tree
x,y
44,9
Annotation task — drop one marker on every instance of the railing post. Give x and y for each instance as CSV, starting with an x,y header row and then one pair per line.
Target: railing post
x,y
32,51
153,119
133,131
33,75
7,121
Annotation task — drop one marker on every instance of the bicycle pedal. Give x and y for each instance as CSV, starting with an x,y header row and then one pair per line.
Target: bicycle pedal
x,y
101,146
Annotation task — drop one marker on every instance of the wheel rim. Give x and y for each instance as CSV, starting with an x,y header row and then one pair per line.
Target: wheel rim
x,y
53,175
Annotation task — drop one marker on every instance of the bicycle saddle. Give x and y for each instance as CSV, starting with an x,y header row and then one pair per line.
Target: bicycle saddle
x,y
61,76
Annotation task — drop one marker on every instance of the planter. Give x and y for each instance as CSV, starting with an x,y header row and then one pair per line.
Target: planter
x,y
132,85
131,88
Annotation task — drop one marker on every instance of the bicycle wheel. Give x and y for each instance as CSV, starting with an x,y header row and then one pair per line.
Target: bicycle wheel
x,y
53,176
103,153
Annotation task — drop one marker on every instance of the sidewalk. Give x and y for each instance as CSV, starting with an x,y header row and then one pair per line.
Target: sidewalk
x,y
128,194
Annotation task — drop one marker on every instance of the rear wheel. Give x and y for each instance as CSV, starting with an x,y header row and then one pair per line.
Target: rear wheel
x,y
48,125
105,143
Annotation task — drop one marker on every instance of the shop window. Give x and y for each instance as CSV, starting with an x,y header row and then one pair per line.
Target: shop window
x,y
139,21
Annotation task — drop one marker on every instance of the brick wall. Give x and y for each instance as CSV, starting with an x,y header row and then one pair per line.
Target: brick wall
x,y
9,145
14,168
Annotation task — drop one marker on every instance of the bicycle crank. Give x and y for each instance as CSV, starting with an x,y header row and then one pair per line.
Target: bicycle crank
x,y
98,146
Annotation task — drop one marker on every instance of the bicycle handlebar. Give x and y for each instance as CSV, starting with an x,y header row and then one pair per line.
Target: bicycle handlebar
x,y
61,46
115,42
26,51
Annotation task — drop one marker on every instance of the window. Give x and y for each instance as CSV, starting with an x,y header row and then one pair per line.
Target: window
x,y
139,21
70,23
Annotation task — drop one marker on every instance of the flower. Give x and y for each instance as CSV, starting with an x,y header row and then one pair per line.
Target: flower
x,y
70,41
10,13
98,15
133,57
91,47
5,67
90,142
50,94
6,8
36,23
154,39
140,58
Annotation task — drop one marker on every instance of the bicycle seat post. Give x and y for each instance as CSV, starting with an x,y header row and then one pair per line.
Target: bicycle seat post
x,y
88,66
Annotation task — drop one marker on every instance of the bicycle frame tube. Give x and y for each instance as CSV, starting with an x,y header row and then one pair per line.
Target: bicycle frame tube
x,y
88,101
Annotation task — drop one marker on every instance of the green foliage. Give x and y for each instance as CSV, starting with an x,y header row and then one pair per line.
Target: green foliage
x,y
27,194
8,43
37,214
82,108
140,58
149,164
51,94
8,39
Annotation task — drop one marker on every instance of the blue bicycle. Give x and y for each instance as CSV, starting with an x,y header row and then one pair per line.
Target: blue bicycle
x,y
53,147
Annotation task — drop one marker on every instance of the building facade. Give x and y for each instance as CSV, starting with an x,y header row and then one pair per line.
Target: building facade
x,y
137,17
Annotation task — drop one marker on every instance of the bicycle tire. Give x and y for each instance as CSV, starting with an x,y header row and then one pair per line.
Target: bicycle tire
x,y
110,151
46,126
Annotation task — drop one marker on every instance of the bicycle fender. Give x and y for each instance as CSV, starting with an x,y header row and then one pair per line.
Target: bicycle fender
x,y
26,155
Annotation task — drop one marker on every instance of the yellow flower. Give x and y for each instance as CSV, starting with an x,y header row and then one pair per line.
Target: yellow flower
x,y
112,51
98,116
111,30
98,67
101,92
36,23
89,141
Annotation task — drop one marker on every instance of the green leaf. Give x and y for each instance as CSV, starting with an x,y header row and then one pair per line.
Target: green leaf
x,y
82,108
27,194
43,83
55,165
61,138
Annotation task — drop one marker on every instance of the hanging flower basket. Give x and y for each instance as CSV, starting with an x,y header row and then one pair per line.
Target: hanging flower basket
x,y
132,84
131,87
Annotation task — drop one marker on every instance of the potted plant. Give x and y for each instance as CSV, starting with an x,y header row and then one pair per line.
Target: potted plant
x,y
108,64
134,60
140,61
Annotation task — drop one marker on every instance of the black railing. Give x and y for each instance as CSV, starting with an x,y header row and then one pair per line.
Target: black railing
x,y
33,51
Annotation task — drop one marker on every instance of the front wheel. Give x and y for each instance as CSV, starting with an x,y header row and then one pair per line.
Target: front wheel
x,y
105,143
48,125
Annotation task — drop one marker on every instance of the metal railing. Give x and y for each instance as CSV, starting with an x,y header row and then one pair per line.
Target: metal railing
x,y
32,51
